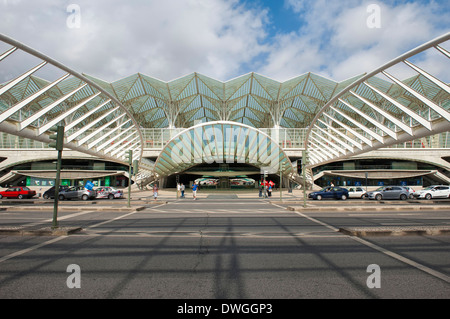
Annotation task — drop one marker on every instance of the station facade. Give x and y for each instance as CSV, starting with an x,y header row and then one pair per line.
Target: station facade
x,y
388,126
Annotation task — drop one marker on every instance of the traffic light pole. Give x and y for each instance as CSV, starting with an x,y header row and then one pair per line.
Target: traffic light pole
x,y
304,184
57,183
304,163
130,165
59,145
129,186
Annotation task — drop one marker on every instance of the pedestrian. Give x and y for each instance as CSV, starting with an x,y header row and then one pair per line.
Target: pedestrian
x,y
178,190
155,191
194,190
182,188
269,190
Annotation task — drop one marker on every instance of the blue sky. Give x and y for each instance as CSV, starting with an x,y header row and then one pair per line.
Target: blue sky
x,y
223,39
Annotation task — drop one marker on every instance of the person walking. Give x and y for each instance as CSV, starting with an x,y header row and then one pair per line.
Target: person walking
x,y
155,191
182,188
194,190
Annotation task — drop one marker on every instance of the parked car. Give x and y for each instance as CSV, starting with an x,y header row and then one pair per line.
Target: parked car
x,y
19,192
389,192
435,191
330,192
50,193
356,192
78,192
411,191
109,192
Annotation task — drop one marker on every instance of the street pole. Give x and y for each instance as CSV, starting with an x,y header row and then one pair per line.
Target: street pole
x,y
304,184
304,163
57,183
59,145
264,185
367,175
281,181
130,165
129,186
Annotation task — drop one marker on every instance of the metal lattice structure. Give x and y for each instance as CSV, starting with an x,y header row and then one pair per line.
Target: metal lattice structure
x,y
251,99
95,121
223,142
343,119
372,113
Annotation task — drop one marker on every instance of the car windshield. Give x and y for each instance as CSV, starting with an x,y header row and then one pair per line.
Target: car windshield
x,y
380,188
428,188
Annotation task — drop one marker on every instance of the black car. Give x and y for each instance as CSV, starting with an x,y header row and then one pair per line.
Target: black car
x,y
50,193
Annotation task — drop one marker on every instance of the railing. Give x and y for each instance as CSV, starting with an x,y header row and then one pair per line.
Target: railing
x,y
287,138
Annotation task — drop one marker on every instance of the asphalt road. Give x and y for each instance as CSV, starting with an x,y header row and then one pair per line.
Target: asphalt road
x,y
223,249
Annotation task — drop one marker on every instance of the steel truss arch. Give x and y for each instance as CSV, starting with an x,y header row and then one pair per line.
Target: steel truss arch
x,y
95,121
223,142
372,113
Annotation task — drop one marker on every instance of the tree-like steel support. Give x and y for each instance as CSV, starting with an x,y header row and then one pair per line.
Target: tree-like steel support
x,y
95,121
368,114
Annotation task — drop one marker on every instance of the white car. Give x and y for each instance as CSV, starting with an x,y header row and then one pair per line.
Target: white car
x,y
109,192
435,191
356,192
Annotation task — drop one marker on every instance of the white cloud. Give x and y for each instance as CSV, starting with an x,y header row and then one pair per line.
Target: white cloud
x,y
164,39
335,40
220,38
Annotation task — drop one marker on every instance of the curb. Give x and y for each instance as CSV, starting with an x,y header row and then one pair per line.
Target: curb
x,y
78,208
365,208
395,231
45,231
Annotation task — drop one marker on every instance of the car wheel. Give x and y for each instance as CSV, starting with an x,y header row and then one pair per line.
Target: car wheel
x,y
319,197
364,196
1,196
403,197
61,197
85,197
110,196
378,197
344,197
20,196
428,196
46,196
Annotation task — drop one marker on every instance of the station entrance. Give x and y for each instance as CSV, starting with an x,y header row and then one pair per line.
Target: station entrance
x,y
221,155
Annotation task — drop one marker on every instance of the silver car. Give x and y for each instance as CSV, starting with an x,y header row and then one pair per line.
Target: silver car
x,y
389,192
78,192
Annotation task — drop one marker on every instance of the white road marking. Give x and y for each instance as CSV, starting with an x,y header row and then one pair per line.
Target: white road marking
x,y
382,250
27,250
54,240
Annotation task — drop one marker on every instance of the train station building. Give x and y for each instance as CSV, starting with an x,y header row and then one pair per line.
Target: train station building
x,y
371,129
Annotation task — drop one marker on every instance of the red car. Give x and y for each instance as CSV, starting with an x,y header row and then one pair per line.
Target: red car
x,y
18,192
